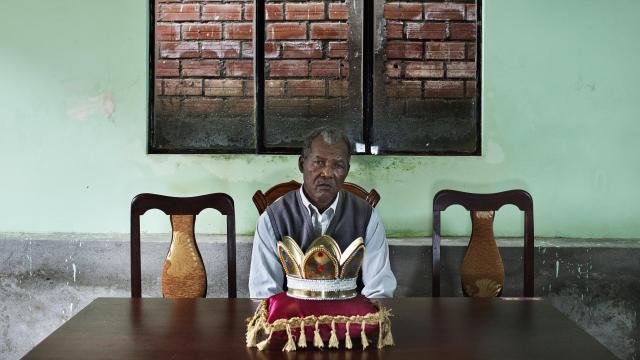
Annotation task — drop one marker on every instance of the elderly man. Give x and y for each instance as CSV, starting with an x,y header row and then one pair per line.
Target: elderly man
x,y
320,207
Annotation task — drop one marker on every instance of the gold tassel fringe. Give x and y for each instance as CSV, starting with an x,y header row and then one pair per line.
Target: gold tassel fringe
x,y
258,322
302,339
363,337
347,338
333,340
291,345
317,340
263,344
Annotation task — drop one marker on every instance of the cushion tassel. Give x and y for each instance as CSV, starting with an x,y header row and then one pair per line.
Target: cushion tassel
x,y
302,339
263,344
317,340
333,340
380,334
252,333
291,345
388,337
347,338
363,337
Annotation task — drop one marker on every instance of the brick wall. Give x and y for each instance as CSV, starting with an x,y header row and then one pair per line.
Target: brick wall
x,y
426,69
204,55
430,50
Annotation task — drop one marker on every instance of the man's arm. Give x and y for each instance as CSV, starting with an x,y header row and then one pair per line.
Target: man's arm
x,y
266,275
379,281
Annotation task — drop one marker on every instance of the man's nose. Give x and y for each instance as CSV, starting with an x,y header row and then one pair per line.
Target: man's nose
x,y
327,171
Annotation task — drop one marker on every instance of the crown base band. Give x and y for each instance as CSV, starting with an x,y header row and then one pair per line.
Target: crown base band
x,y
322,295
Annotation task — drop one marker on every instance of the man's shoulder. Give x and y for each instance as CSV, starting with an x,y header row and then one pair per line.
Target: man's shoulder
x,y
355,199
284,200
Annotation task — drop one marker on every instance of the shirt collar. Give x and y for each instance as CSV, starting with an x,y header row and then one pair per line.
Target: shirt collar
x,y
307,204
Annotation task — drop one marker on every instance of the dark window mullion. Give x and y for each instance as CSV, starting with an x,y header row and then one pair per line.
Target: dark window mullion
x,y
367,72
258,71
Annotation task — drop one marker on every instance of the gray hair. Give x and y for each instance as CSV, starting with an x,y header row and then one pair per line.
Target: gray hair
x,y
330,135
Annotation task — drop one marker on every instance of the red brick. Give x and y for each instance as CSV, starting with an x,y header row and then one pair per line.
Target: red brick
x,y
328,68
305,88
324,107
223,87
202,31
272,12
471,51
271,49
179,12
444,89
470,88
338,87
201,105
200,68
426,30
302,50
403,50
286,31
393,30
288,68
304,11
445,50
241,31
472,12
462,31
179,50
403,11
239,68
444,11
403,88
167,32
168,104
338,11
393,69
461,70
167,68
424,69
338,49
239,106
158,87
221,49
222,12
329,31
182,87
274,87
288,106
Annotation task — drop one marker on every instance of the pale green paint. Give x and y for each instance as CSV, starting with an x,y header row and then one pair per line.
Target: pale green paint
x,y
560,119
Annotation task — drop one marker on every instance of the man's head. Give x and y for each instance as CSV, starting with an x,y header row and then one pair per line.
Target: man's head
x,y
324,165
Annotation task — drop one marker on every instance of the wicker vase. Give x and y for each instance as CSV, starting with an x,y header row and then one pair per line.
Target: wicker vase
x,y
482,270
183,274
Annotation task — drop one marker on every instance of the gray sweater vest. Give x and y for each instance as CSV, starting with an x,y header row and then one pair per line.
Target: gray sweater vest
x,y
289,217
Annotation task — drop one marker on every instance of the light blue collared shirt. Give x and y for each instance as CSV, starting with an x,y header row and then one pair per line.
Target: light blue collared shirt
x,y
266,276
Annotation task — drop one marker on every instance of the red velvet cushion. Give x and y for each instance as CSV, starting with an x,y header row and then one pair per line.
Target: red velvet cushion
x,y
281,306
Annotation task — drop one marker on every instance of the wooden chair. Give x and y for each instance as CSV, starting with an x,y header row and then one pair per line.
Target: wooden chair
x,y
262,200
485,202
183,273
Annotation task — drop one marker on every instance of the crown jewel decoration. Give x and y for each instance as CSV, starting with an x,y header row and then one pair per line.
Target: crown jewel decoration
x,y
323,272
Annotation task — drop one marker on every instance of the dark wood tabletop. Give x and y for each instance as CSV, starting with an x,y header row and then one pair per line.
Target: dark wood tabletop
x,y
429,328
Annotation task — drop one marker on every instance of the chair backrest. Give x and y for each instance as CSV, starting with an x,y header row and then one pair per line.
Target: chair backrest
x,y
262,200
485,202
182,211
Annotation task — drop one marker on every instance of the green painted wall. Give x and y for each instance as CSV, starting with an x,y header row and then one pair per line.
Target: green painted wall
x,y
560,119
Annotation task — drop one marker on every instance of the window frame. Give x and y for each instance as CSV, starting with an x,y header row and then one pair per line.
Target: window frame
x,y
368,62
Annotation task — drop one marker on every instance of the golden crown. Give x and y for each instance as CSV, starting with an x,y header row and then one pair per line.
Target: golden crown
x,y
323,272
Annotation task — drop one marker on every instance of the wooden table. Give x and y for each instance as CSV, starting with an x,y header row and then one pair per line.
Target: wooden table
x,y
427,328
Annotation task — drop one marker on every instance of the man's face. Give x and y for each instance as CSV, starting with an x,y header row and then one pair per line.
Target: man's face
x,y
324,170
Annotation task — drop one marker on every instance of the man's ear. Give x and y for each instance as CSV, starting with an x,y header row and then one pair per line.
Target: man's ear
x,y
300,163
